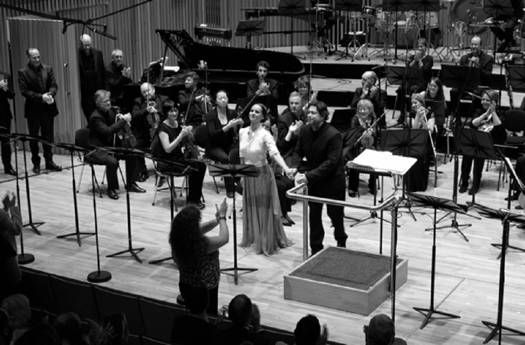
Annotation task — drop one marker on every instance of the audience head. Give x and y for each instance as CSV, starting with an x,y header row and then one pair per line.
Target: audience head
x,y
116,329
294,102
365,109
117,56
40,334
86,43
258,113
368,79
147,90
221,98
191,80
262,69
317,114
33,56
103,100
186,240
72,330
18,311
307,331
240,310
380,330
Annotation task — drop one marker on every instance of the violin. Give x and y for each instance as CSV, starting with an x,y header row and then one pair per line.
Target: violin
x,y
125,134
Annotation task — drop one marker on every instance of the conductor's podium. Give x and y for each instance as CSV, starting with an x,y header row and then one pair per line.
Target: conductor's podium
x,y
343,279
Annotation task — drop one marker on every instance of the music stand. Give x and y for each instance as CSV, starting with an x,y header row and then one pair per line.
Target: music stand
x,y
506,216
517,77
404,76
72,149
397,6
97,276
443,204
291,8
407,142
234,171
249,28
23,138
126,153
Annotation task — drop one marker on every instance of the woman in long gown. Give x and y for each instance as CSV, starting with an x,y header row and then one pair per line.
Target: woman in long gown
x,y
261,209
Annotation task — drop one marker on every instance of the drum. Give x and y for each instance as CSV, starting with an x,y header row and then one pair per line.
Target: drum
x,y
368,12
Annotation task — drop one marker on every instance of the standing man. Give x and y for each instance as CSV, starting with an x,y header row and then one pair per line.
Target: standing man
x,y
265,89
118,75
289,125
323,172
6,93
91,68
39,87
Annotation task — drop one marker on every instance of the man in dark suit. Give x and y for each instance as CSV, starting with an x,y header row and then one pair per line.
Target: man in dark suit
x,y
369,90
118,75
6,93
38,86
323,171
91,68
103,127
264,89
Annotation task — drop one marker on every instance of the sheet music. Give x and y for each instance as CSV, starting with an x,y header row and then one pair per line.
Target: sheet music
x,y
383,161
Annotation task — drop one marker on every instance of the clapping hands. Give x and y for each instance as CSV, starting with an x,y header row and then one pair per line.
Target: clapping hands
x,y
221,210
295,126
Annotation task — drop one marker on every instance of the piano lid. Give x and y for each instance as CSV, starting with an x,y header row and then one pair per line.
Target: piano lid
x,y
233,63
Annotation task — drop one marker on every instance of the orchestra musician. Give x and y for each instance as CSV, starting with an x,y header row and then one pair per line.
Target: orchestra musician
x,y
223,126
434,98
488,121
323,172
419,71
117,76
168,145
194,102
91,69
145,120
106,129
6,93
369,90
505,31
364,138
264,89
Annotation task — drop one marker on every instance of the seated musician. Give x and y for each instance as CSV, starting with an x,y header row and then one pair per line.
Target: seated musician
x,y
486,120
223,126
477,58
108,129
197,102
168,145
369,90
419,71
303,86
364,135
145,120
264,89
289,125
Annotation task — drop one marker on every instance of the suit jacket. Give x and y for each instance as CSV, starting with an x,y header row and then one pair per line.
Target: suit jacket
x,y
33,83
286,148
323,167
102,127
378,100
91,76
253,86
5,107
115,83
485,64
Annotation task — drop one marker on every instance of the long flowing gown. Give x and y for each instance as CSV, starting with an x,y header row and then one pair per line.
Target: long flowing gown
x,y
261,208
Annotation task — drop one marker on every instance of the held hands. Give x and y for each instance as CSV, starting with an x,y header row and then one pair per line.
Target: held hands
x,y
48,98
290,172
300,178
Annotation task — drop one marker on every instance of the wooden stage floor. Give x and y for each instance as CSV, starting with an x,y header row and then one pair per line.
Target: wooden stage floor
x,y
467,272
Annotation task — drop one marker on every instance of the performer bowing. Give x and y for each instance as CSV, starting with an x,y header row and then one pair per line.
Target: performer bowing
x,y
363,136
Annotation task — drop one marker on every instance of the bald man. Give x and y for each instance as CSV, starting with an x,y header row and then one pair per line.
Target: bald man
x,y
369,90
91,69
478,58
118,75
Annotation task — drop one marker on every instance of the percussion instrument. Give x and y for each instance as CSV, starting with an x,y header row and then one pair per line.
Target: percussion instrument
x,y
469,12
368,12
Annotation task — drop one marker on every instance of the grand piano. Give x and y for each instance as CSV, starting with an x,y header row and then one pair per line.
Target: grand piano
x,y
228,67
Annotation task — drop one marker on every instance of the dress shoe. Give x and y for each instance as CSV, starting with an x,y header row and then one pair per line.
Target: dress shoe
x,y
52,166
352,193
473,190
230,194
160,181
289,219
180,300
133,187
143,177
341,244
10,171
518,207
463,188
513,196
285,221
113,194
36,169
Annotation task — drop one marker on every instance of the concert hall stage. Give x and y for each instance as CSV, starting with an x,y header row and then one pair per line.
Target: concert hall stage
x,y
467,272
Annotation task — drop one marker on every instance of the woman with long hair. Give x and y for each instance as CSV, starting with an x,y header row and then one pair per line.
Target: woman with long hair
x,y
262,210
197,255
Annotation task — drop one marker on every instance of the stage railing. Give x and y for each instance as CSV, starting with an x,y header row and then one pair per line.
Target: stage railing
x,y
300,193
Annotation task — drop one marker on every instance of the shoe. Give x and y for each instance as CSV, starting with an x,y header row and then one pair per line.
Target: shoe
x,y
200,205
473,190
113,194
513,196
133,187
9,171
180,300
285,221
352,193
36,169
341,244
143,177
161,181
518,207
52,166
463,188
289,219
230,194
238,188
372,191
